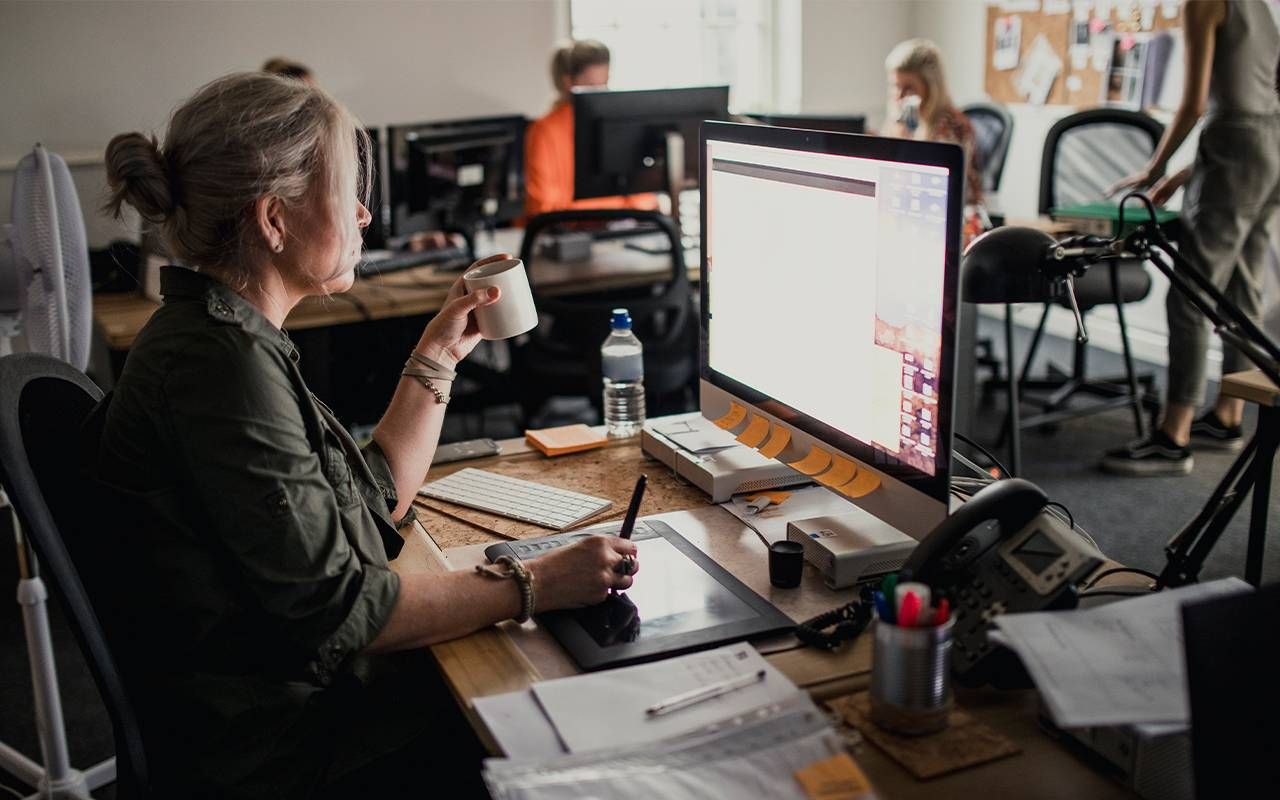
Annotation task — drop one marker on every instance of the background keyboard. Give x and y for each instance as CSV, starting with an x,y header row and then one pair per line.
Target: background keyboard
x,y
515,498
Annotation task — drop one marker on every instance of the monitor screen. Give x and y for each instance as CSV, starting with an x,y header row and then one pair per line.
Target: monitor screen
x,y
455,174
620,137
829,286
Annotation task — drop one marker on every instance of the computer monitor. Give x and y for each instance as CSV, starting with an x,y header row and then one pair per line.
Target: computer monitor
x,y
852,123
620,138
455,175
829,299
375,235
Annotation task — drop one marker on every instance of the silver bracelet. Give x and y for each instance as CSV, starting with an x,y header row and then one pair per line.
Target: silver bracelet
x,y
441,397
444,372
522,576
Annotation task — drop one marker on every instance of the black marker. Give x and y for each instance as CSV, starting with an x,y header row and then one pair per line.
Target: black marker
x,y
629,522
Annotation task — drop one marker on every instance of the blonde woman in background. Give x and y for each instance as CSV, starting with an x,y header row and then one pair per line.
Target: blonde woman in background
x,y
920,107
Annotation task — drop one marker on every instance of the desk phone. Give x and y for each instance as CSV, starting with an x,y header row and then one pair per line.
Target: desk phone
x,y
1001,552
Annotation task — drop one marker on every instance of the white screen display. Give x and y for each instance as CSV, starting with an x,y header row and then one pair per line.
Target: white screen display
x,y
825,288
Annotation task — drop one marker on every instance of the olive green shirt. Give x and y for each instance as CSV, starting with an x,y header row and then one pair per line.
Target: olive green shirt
x,y
259,533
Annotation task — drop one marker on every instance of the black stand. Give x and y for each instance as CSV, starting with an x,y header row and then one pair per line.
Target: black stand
x,y
1251,470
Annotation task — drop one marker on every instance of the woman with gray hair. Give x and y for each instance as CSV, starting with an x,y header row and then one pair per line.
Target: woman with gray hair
x,y
257,606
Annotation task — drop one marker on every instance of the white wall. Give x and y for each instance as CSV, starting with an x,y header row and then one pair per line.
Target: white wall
x,y
73,74
844,43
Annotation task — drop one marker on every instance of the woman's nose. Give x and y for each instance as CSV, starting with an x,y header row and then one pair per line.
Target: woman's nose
x,y
363,217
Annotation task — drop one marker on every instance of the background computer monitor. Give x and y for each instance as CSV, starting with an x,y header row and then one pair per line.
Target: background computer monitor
x,y
829,275
375,235
619,138
455,174
853,123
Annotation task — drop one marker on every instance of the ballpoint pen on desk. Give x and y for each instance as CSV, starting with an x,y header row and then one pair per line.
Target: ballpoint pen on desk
x,y
694,696
629,521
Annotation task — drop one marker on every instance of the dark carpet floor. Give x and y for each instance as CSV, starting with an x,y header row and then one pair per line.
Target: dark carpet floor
x,y
1131,519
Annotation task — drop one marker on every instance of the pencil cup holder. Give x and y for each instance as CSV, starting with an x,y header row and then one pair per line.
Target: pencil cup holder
x,y
911,677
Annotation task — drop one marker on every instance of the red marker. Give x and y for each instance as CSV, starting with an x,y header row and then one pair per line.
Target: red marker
x,y
943,611
909,614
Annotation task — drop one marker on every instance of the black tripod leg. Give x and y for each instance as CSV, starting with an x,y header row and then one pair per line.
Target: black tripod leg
x,y
1269,435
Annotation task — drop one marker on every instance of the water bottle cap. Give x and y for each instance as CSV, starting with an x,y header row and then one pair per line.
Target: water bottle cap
x,y
621,319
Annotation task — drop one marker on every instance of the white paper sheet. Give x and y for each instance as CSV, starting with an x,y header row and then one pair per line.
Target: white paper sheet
x,y
771,523
607,709
1111,665
696,436
1039,71
518,725
1008,42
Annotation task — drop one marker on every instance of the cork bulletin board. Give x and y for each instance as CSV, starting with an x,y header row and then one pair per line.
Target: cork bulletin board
x,y
1117,52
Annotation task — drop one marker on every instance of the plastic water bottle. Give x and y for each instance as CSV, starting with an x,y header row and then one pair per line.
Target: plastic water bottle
x,y
622,363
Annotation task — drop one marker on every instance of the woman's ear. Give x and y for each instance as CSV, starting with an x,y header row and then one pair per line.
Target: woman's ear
x,y
268,213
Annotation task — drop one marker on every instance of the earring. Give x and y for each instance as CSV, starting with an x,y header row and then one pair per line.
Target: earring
x,y
279,246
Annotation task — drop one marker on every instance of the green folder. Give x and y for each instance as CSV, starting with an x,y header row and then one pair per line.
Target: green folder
x,y
1103,218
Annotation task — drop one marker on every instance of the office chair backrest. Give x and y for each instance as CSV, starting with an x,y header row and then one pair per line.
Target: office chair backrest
x,y
1087,152
43,403
672,296
993,130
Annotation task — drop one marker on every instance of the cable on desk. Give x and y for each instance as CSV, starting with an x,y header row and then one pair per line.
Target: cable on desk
x,y
1118,570
1004,470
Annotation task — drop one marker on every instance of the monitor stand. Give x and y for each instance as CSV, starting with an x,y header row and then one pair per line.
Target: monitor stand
x,y
851,548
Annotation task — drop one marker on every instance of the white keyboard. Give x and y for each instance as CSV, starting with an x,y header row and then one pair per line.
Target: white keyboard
x,y
515,498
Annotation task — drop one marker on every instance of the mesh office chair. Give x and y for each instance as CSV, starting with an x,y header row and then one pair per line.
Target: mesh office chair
x,y
43,402
1084,154
993,130
561,357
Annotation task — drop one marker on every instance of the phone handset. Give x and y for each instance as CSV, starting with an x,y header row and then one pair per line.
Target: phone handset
x,y
957,540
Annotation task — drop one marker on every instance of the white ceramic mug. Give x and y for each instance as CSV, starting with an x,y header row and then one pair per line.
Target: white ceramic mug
x,y
514,313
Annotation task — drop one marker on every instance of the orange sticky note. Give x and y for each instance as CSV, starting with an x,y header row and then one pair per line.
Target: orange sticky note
x,y
755,431
841,472
863,484
778,441
565,439
835,778
812,464
733,419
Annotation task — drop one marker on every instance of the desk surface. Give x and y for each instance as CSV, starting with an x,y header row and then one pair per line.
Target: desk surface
x,y
411,292
510,657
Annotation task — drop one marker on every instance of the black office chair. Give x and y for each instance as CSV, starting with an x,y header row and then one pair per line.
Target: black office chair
x,y
992,130
561,357
43,402
1084,154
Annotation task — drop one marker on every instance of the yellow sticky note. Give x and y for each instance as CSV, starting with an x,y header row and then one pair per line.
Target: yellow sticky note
x,y
733,419
812,464
841,472
755,431
778,441
835,778
863,484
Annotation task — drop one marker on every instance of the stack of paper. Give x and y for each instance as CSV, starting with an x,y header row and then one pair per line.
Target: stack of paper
x,y
565,439
1117,664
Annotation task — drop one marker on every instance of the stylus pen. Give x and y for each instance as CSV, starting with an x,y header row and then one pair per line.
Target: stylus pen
x,y
629,522
694,696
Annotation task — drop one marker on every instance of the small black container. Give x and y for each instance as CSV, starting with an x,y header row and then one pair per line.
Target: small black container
x,y
786,563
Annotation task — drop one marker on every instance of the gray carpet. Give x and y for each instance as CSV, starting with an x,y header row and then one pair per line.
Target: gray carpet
x,y
1131,518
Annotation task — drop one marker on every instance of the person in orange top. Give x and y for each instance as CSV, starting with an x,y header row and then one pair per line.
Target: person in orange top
x,y
548,144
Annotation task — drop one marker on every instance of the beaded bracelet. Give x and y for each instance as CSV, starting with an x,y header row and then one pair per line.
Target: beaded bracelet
x,y
523,577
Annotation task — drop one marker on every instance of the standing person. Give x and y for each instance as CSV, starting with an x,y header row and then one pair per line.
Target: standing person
x,y
920,107
548,143
255,614
1230,205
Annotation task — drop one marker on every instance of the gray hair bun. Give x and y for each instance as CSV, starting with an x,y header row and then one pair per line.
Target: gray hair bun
x,y
138,175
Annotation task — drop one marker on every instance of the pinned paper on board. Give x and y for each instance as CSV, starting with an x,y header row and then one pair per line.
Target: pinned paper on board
x,y
812,464
1056,7
1008,42
841,472
1078,43
732,419
755,432
778,441
1040,70
1169,9
863,484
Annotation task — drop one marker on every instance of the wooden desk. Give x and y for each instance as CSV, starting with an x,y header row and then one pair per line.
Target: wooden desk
x,y
511,657
417,291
